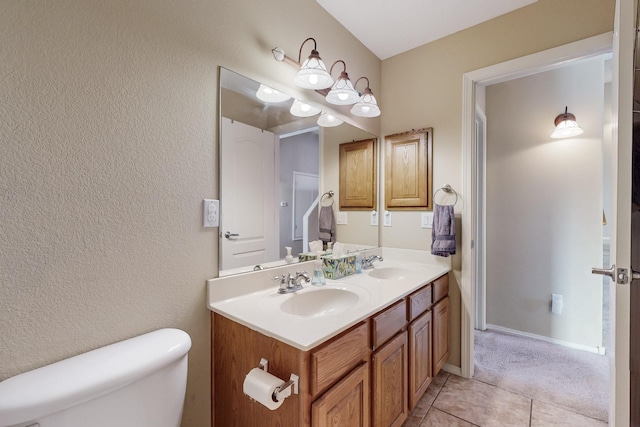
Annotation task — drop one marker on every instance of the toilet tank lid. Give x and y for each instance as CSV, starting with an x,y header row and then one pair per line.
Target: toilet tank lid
x,y
81,378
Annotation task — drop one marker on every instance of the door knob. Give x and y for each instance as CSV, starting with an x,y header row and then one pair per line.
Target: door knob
x,y
618,275
229,235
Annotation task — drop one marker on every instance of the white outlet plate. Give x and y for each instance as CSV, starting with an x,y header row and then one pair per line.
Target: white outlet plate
x,y
211,213
341,218
387,218
426,220
374,218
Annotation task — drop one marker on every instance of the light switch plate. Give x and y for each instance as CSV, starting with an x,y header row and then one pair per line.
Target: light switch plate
x,y
387,218
211,214
426,220
341,218
374,218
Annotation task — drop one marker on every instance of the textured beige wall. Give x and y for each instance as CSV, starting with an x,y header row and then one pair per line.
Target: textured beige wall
x,y
423,88
108,124
544,204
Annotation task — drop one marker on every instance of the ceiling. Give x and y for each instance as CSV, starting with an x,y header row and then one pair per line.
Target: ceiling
x,y
390,27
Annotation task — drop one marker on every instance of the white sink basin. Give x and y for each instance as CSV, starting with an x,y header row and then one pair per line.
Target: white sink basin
x,y
318,302
393,273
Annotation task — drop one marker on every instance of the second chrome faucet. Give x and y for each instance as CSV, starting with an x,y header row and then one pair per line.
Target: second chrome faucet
x,y
291,283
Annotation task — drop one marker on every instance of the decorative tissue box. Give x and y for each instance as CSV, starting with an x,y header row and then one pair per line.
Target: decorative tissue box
x,y
308,256
336,268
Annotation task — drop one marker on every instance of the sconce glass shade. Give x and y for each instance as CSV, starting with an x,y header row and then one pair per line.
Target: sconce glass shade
x,y
329,120
267,94
566,126
313,73
302,109
342,91
367,106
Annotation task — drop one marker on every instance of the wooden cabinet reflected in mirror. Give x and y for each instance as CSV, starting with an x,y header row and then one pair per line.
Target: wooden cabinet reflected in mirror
x,y
409,170
358,187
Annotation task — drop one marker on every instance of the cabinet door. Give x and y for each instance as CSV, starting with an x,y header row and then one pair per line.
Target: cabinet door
x,y
390,389
346,404
440,334
420,362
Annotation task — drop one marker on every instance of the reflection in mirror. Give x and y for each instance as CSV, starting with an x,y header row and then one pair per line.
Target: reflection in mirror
x,y
271,177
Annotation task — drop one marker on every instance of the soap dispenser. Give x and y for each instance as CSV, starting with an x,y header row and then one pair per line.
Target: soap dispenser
x,y
317,279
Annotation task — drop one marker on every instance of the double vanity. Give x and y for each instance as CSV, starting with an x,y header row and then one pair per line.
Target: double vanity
x,y
364,347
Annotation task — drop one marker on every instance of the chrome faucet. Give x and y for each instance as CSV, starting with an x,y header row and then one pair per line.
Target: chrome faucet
x,y
290,283
367,263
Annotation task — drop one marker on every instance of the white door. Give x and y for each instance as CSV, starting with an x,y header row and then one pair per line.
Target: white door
x,y
248,223
305,193
624,35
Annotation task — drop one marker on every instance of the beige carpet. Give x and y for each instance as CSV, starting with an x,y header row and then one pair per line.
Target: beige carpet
x,y
572,379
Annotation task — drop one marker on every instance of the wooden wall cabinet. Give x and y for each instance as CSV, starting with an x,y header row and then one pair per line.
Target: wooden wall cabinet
x,y
408,170
358,178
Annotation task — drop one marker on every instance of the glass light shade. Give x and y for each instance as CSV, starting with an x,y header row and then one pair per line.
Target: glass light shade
x,y
313,73
328,120
367,106
566,129
342,92
302,109
267,94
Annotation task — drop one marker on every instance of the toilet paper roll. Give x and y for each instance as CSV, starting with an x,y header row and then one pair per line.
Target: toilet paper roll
x,y
260,385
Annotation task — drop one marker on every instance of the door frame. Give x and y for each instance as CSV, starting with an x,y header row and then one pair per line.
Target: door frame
x,y
513,69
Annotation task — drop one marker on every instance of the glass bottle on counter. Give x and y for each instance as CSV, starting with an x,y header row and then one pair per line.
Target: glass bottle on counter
x,y
317,278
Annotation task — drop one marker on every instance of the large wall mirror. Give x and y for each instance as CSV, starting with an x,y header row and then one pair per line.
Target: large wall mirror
x,y
274,170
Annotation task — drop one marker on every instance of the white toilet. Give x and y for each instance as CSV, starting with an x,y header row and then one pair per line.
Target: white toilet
x,y
139,382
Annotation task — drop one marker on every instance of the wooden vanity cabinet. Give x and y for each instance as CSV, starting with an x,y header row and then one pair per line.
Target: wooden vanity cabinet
x,y
440,323
389,365
369,375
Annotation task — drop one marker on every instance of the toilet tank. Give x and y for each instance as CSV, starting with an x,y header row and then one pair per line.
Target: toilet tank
x,y
138,382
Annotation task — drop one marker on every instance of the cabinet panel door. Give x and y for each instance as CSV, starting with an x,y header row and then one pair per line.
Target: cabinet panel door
x,y
440,334
346,404
420,362
358,184
390,388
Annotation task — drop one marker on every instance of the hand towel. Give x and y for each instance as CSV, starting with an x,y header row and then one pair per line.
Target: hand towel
x,y
443,232
326,225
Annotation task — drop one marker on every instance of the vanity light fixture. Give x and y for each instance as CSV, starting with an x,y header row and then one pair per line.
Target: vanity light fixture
x,y
269,94
329,120
566,126
302,109
367,106
342,92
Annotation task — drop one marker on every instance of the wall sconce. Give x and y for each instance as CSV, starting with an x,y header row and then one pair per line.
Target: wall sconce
x,y
268,94
342,91
367,106
328,120
566,126
302,109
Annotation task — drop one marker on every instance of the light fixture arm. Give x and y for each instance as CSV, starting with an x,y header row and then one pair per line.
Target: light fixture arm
x,y
313,51
360,78
344,70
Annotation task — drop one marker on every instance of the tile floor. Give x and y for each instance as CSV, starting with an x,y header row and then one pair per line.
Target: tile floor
x,y
458,402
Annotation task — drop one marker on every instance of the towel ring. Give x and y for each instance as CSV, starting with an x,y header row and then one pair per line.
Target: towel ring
x,y
447,189
329,194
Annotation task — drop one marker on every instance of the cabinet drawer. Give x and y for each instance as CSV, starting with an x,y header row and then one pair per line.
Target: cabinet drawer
x,y
330,362
440,287
419,302
386,324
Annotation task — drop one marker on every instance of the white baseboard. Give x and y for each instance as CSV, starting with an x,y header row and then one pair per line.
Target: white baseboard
x,y
597,350
455,370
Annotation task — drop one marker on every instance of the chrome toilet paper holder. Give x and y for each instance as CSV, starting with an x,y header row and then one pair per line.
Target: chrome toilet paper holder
x,y
286,389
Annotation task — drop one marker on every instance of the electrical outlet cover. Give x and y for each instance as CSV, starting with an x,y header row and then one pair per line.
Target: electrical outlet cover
x,y
211,214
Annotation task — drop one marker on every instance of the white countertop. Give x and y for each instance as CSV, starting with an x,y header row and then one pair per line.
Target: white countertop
x,y
252,300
